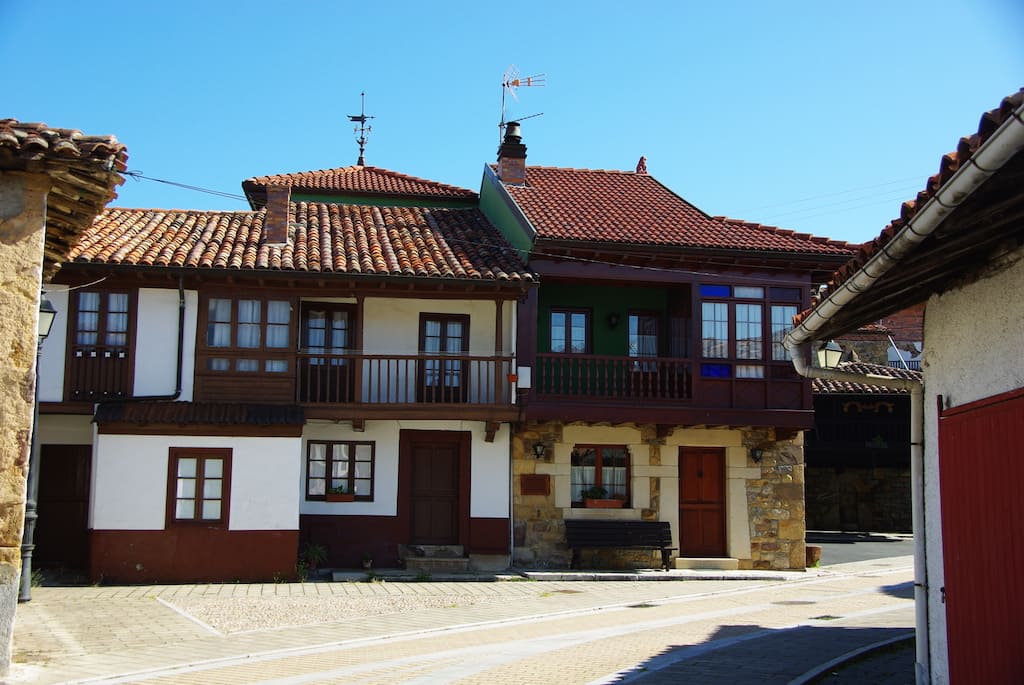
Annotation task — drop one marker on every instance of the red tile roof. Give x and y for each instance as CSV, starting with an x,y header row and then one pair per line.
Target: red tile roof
x,y
84,171
326,238
948,165
367,180
631,207
828,386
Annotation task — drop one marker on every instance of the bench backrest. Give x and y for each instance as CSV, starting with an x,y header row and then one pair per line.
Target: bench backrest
x,y
614,533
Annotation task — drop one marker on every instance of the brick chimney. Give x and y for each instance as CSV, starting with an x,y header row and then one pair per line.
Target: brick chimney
x,y
275,223
512,156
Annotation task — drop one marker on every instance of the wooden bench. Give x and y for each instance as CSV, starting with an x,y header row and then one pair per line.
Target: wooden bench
x,y
597,533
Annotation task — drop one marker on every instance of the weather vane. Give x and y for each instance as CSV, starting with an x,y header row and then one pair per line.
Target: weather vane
x,y
509,83
362,129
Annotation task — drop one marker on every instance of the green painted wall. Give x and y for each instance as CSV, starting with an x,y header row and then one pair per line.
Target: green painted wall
x,y
601,301
495,208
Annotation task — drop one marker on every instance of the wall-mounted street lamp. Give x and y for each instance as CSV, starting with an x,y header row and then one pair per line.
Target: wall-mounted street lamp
x,y
756,454
613,320
46,316
538,450
829,354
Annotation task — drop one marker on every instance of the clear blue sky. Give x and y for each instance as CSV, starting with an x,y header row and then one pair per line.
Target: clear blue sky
x,y
744,108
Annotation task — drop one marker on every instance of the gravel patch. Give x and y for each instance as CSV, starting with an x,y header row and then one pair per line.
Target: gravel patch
x,y
243,614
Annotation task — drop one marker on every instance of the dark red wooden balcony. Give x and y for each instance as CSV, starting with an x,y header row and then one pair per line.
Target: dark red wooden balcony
x,y
97,373
629,379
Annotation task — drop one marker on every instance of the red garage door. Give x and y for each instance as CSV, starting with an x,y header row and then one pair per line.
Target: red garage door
x,y
981,482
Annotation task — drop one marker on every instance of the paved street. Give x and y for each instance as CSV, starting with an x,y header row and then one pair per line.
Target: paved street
x,y
744,630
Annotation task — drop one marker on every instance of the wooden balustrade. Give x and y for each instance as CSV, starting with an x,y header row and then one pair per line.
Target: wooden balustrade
x,y
616,378
97,373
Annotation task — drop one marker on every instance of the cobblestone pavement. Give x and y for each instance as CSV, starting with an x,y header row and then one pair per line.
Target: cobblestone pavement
x,y
745,630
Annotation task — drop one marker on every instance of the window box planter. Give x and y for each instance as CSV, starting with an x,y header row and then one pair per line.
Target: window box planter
x,y
592,503
341,496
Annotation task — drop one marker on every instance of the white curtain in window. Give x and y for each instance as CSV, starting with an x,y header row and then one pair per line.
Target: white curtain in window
x,y
248,323
278,317
88,318
218,327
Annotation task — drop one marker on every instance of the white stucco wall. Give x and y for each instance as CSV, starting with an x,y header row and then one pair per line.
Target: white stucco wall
x,y
129,488
974,348
156,342
391,325
51,359
489,466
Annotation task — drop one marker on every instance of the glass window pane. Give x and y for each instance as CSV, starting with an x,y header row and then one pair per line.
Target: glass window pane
x,y
748,291
249,311
578,333
782,323
749,337
363,487
317,469
218,364
276,366
749,371
279,312
185,509
454,336
212,489
317,486
714,291
715,370
186,488
715,329
364,452
187,467
211,510
213,468
785,294
557,332
220,310
247,365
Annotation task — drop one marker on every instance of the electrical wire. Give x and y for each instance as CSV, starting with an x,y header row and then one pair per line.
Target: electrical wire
x,y
139,175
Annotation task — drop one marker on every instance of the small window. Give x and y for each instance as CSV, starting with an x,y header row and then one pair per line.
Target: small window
x,y
256,331
339,467
748,292
604,467
749,342
782,323
785,294
643,340
715,330
570,331
199,480
715,291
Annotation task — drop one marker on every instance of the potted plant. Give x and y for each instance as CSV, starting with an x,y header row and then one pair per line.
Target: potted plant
x,y
597,498
339,493
313,555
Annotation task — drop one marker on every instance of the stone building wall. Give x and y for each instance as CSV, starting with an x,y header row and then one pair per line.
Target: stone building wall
x,y
859,498
764,501
22,232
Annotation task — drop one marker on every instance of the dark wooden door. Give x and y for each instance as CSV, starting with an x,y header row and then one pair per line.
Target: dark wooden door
x,y
435,493
62,530
701,501
981,467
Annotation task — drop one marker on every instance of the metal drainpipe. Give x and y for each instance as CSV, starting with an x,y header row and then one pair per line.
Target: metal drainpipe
x,y
919,521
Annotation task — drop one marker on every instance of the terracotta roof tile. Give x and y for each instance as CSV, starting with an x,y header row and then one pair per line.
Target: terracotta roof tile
x,y
828,386
948,165
84,171
631,207
326,238
368,180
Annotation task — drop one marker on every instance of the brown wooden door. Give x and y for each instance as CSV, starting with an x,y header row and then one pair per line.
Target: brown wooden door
x,y
435,493
62,530
701,502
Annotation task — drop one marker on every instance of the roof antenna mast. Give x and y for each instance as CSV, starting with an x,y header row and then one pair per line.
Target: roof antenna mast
x,y
509,83
362,129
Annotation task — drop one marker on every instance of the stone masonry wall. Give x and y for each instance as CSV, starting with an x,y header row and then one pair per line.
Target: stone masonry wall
x,y
774,504
863,499
22,231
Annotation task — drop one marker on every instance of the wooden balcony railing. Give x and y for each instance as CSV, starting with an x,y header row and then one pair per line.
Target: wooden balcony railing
x,y
97,372
403,379
613,378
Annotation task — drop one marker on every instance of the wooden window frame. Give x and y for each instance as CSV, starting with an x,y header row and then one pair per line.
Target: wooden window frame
x,y
597,469
72,333
659,339
569,312
202,454
772,297
232,352
331,444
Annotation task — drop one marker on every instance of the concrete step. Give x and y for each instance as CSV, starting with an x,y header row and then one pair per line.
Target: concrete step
x,y
431,551
437,565
716,563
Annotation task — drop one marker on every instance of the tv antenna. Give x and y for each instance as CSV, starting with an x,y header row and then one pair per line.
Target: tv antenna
x,y
362,129
512,81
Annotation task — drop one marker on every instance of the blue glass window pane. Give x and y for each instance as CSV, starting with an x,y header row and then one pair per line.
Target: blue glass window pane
x,y
715,291
714,370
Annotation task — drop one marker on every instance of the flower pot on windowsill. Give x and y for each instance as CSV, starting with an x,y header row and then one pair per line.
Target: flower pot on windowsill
x,y
592,503
341,496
